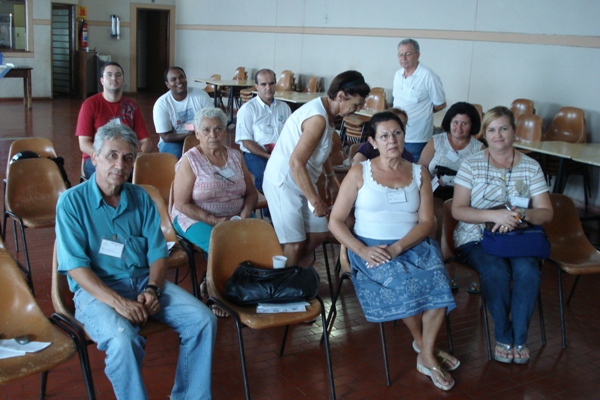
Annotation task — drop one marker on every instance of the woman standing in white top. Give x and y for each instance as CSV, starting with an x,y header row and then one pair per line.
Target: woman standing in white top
x,y
298,159
398,272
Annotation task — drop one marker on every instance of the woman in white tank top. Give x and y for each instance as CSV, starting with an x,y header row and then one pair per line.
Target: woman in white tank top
x,y
397,271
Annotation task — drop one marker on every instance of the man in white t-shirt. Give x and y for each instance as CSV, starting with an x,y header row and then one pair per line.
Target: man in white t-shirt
x,y
259,123
174,109
418,91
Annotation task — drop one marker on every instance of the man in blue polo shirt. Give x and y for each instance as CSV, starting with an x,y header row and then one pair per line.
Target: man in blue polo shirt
x,y
110,246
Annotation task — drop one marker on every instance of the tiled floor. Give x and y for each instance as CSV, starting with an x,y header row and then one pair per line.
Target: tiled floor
x,y
301,373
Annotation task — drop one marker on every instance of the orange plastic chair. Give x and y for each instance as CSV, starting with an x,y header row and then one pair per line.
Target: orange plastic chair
x,y
522,107
285,83
354,126
21,315
571,250
156,169
254,240
32,190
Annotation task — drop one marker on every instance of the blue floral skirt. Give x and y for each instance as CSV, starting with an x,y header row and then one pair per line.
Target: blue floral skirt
x,y
413,282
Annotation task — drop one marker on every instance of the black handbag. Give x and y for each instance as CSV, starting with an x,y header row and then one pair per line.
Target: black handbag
x,y
250,285
530,241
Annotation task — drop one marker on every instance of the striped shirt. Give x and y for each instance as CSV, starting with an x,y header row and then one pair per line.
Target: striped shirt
x,y
491,187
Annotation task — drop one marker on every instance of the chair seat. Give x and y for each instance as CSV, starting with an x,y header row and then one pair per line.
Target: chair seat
x,y
177,258
35,223
576,263
249,317
61,350
356,120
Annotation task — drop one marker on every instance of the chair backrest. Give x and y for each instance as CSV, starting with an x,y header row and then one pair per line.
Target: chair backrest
x,y
312,85
338,155
165,220
42,146
568,126
448,226
479,109
565,232
529,128
285,82
376,100
353,150
189,142
522,107
156,169
210,89
18,308
232,242
240,73
33,186
62,297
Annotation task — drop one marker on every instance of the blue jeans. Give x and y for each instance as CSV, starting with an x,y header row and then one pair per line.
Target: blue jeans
x,y
193,321
256,165
174,148
415,149
510,307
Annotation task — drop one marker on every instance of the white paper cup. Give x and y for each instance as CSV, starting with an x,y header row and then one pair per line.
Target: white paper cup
x,y
235,217
279,261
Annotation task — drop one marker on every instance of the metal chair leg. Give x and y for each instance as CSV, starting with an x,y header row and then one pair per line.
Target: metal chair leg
x,y
385,358
562,310
285,333
327,350
573,289
327,269
44,379
486,324
541,314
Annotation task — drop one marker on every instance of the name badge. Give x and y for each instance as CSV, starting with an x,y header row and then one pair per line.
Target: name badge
x,y
111,248
227,172
115,120
397,196
435,183
521,202
452,156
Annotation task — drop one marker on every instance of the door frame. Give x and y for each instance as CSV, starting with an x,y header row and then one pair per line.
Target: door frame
x,y
134,7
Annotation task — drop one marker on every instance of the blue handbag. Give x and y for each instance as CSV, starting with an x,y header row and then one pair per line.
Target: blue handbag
x,y
530,241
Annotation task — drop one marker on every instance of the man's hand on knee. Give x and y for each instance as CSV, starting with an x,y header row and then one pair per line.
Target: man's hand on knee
x,y
149,300
134,311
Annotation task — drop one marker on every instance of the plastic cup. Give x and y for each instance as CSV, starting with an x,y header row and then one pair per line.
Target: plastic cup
x,y
235,217
279,261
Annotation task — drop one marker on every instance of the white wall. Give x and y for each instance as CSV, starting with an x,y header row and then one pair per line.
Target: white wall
x,y
486,52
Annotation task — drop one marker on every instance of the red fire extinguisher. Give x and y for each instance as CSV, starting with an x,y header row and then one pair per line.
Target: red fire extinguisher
x,y
83,35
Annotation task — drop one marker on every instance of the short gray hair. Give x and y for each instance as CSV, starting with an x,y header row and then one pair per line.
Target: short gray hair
x,y
209,113
410,41
113,131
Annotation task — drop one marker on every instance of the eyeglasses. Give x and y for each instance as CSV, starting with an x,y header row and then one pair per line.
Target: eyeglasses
x,y
386,136
407,54
116,75
218,175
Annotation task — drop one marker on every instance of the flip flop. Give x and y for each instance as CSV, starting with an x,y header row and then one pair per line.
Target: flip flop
x,y
429,372
444,358
505,347
518,350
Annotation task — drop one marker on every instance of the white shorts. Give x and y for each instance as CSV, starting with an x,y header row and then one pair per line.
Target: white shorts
x,y
290,214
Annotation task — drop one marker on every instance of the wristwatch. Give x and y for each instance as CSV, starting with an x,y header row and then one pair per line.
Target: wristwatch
x,y
155,289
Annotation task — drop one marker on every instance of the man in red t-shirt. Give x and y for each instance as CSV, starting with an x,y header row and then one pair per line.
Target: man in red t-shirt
x,y
109,106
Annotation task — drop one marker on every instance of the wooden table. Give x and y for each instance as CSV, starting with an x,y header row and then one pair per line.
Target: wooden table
x,y
232,84
587,153
25,74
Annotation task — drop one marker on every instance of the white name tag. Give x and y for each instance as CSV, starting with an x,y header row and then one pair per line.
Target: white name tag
x,y
521,202
116,120
397,196
435,182
227,172
111,248
452,156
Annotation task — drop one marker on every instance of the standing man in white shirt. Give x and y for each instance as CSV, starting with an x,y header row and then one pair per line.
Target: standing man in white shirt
x,y
259,123
418,91
174,109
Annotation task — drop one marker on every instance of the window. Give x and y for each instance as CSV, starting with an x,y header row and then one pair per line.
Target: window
x,y
15,20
